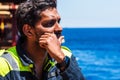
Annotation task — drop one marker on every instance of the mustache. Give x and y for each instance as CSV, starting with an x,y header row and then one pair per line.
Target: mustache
x,y
58,34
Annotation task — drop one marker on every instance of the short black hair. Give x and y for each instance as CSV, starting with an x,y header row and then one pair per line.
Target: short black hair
x,y
29,11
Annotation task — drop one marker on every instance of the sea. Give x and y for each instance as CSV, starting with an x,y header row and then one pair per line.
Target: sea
x,y
97,51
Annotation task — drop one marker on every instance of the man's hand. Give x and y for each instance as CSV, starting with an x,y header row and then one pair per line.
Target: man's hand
x,y
50,42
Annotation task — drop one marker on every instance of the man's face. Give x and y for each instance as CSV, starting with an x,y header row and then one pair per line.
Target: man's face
x,y
49,23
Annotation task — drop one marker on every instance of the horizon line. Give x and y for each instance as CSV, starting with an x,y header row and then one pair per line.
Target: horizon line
x,y
89,27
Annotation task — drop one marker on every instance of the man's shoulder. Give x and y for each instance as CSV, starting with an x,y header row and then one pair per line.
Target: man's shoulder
x,y
4,66
3,61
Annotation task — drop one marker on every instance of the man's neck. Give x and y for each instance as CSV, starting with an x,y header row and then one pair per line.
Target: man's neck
x,y
38,55
35,52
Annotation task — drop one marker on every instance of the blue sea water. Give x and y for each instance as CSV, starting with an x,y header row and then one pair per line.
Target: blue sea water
x,y
97,51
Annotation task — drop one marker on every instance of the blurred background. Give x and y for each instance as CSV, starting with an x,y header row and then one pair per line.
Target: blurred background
x,y
8,31
91,29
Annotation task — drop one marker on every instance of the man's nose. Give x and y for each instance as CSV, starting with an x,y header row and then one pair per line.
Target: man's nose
x,y
58,27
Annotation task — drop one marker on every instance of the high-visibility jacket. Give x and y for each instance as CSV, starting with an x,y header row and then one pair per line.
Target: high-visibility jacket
x,y
16,67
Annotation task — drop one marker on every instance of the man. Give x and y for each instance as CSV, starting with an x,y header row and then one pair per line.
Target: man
x,y
38,54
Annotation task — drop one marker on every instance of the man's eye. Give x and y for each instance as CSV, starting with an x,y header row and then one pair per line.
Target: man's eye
x,y
59,20
49,23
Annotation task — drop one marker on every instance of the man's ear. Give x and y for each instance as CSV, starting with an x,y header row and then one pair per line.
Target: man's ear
x,y
28,30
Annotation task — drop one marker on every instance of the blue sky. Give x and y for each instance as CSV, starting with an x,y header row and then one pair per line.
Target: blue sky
x,y
89,13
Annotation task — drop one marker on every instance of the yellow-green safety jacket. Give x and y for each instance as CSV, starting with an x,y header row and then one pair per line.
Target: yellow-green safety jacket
x,y
16,65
